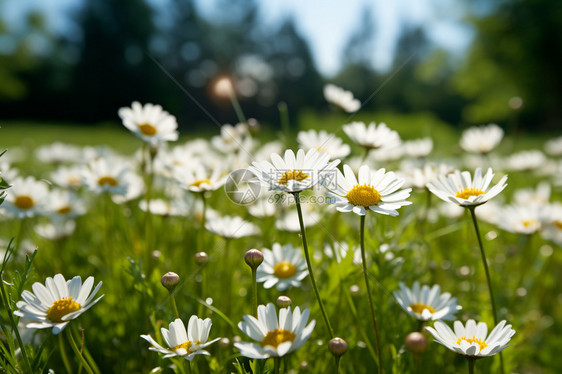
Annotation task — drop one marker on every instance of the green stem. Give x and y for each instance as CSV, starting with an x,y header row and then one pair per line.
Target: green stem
x,y
366,276
471,366
203,217
227,279
77,352
337,364
309,265
21,232
277,364
488,279
174,306
255,291
148,195
64,356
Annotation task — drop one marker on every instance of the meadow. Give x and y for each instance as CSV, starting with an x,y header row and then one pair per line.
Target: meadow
x,y
117,240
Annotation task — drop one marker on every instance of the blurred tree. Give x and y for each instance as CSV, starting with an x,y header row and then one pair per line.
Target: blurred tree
x,y
516,53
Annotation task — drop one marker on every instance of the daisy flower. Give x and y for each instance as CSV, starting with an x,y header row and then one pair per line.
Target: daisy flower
x,y
56,230
63,204
553,223
294,174
231,227
374,190
472,340
26,198
539,196
289,220
199,178
160,207
68,177
107,175
57,302
462,189
426,304
283,266
275,337
184,343
57,153
372,136
150,122
481,139
525,160
323,141
520,219
233,139
341,98
418,147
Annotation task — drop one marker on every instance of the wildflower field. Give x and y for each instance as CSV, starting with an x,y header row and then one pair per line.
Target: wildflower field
x,y
345,243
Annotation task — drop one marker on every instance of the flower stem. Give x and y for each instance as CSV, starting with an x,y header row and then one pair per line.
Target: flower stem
x,y
147,170
309,265
337,364
64,356
364,263
77,352
471,366
174,306
277,365
255,291
237,108
201,243
488,279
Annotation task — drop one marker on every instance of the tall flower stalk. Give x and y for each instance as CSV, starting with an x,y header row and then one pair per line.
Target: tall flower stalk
x,y
371,305
309,265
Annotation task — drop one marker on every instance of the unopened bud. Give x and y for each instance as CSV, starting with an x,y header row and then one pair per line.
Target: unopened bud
x,y
253,258
170,280
283,301
201,258
253,125
337,346
416,342
304,366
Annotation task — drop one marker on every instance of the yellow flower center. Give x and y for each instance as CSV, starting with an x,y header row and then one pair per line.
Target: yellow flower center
x,y
419,307
530,222
363,195
147,129
481,343
61,308
284,269
199,182
24,202
276,337
64,210
558,224
467,192
107,181
296,175
187,346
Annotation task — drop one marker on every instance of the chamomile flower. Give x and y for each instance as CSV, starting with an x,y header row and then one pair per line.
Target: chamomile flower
x,y
294,173
160,207
323,141
481,139
538,196
233,139
275,337
520,219
374,190
289,220
462,189
472,340
231,227
57,302
372,136
554,146
199,178
56,230
418,147
68,177
64,204
107,175
426,304
283,267
552,218
525,160
150,122
26,198
184,343
57,153
341,98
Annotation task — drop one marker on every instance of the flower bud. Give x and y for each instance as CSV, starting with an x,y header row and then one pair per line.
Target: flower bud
x,y
283,301
253,258
337,346
355,290
224,342
170,280
416,342
201,258
304,366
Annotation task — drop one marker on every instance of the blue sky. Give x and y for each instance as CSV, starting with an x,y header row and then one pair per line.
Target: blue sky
x,y
326,24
